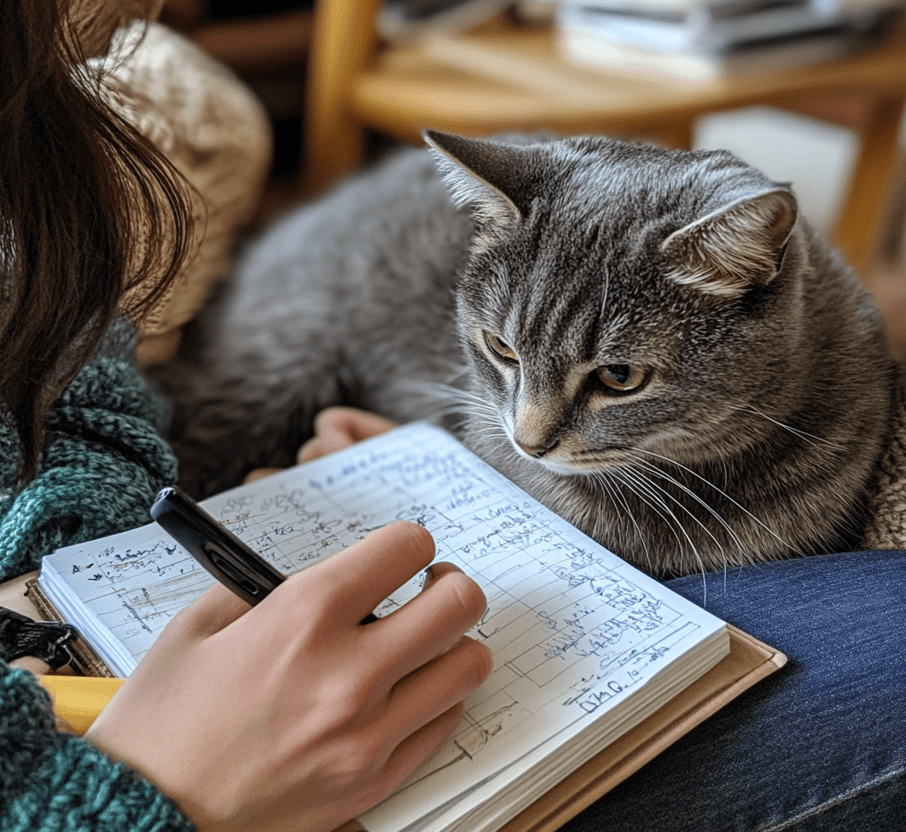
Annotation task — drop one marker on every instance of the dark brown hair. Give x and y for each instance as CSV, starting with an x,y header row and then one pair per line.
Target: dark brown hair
x,y
88,210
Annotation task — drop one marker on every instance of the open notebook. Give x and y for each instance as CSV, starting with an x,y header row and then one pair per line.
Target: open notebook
x,y
586,647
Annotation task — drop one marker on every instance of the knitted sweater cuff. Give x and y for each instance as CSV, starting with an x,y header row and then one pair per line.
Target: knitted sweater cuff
x,y
103,462
54,782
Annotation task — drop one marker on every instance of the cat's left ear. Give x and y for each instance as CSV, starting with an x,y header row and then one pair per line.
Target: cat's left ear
x,y
735,248
485,175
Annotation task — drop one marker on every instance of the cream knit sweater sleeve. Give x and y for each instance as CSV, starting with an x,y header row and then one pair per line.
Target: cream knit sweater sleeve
x,y
215,132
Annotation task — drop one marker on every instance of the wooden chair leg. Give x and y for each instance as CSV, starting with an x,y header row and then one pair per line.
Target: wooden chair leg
x,y
344,42
861,225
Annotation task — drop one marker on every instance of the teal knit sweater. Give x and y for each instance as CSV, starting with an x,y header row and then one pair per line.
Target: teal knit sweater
x,y
104,460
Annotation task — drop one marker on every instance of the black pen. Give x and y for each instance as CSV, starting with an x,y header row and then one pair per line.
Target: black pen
x,y
217,549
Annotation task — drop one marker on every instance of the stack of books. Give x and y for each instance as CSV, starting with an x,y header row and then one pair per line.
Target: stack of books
x,y
405,20
713,39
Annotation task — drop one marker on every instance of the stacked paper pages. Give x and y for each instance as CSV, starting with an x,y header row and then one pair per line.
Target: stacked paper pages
x,y
585,647
711,39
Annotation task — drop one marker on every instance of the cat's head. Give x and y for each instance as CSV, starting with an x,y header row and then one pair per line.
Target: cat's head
x,y
622,299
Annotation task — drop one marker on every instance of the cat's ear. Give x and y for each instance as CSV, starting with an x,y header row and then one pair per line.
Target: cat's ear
x,y
735,248
482,174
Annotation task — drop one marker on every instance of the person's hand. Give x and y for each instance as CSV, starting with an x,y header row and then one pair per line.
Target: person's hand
x,y
335,428
292,715
339,427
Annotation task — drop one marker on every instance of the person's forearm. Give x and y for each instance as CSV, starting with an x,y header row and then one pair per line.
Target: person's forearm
x,y
51,781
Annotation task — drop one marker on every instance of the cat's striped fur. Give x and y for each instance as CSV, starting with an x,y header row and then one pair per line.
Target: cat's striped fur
x,y
651,342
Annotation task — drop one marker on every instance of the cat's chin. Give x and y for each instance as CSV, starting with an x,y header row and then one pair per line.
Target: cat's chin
x,y
574,467
559,467
554,467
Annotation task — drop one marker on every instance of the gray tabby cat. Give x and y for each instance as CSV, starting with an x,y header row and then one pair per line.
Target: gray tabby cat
x,y
651,342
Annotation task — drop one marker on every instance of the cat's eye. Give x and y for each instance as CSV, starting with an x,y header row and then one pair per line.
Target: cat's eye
x,y
624,378
501,348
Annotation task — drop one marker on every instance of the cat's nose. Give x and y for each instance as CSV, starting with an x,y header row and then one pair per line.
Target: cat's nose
x,y
537,451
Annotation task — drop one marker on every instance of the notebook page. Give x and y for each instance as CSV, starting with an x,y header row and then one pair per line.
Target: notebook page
x,y
573,629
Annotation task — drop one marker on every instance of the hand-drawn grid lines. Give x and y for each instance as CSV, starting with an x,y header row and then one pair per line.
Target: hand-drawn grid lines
x,y
563,621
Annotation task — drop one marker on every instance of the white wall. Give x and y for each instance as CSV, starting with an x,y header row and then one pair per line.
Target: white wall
x,y
816,157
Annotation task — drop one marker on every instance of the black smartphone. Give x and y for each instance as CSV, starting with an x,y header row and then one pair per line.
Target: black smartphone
x,y
214,546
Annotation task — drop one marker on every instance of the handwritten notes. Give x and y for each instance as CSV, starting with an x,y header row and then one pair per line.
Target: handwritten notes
x,y
574,630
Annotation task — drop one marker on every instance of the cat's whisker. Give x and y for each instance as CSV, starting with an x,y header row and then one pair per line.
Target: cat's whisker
x,y
702,568
400,316
497,435
493,434
654,489
811,438
720,491
695,551
476,405
487,422
448,391
454,398
712,511
726,471
670,520
653,469
603,479
638,484
605,312
443,401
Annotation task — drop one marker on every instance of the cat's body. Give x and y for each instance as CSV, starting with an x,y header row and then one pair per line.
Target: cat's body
x,y
652,343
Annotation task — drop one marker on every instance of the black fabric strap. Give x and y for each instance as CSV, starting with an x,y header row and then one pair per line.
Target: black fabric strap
x,y
45,640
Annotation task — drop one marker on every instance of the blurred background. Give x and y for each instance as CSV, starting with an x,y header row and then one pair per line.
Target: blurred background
x,y
301,56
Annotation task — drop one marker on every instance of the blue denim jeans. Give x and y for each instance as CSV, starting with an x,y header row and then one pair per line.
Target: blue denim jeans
x,y
821,744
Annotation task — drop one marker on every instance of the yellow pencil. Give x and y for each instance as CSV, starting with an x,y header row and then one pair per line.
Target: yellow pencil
x,y
79,699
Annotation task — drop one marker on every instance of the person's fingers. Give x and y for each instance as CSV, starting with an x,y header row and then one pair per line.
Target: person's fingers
x,y
436,570
343,422
417,747
312,449
373,568
215,609
433,621
260,474
436,687
339,427
32,664
346,587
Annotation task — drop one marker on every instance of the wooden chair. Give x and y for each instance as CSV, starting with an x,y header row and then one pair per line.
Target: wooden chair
x,y
246,44
507,76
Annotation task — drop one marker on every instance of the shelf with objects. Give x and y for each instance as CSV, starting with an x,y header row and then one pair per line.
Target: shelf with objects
x,y
510,75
